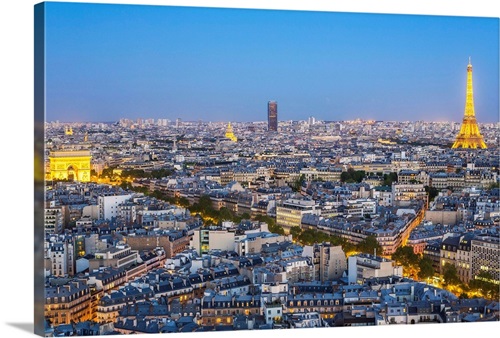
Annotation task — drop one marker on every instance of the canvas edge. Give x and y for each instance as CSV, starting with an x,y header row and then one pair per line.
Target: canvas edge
x,y
39,137
39,172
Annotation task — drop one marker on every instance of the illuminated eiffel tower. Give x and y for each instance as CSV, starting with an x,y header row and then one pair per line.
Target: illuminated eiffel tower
x,y
469,135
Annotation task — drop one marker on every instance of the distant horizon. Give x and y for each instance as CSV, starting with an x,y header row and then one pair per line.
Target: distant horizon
x,y
258,121
126,61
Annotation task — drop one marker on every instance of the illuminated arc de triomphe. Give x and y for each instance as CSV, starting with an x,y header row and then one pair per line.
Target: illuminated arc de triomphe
x,y
70,165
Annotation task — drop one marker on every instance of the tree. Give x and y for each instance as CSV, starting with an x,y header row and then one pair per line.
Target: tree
x,y
160,173
297,184
271,223
135,173
143,190
225,214
295,231
389,178
432,192
157,194
266,219
463,295
183,202
276,229
483,283
426,270
494,185
205,203
369,245
125,185
306,238
450,274
107,172
352,176
346,245
359,175
405,256
310,236
344,176
245,215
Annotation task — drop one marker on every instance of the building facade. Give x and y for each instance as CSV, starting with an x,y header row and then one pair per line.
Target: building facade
x,y
364,266
289,213
68,303
485,251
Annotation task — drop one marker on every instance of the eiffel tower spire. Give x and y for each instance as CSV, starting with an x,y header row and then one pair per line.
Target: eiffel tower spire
x,y
469,135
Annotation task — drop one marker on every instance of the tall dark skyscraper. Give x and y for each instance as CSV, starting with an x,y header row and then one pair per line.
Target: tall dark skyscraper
x,y
272,116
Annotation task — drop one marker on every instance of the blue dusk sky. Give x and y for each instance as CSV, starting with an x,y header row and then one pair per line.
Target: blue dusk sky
x,y
106,62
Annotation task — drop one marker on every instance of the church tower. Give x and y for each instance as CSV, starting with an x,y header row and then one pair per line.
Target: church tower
x,y
469,135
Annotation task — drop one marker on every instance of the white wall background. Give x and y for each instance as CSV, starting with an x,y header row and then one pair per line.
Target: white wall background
x,y
16,100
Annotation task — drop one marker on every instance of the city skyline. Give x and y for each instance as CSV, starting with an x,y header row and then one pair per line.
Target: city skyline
x,y
216,64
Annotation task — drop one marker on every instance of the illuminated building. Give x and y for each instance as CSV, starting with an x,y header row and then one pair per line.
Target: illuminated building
x,y
289,213
448,252
469,135
272,116
229,133
464,258
68,303
321,173
403,193
109,306
485,251
395,235
218,309
70,165
328,304
68,131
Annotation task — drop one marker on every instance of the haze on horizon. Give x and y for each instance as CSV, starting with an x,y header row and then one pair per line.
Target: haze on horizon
x,y
106,62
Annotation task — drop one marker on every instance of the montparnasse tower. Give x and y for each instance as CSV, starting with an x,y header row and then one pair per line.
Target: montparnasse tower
x,y
469,135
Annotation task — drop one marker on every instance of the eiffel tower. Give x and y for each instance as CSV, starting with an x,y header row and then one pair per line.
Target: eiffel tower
x,y
469,135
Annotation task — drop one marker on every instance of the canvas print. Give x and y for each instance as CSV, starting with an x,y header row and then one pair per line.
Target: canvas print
x,y
217,169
